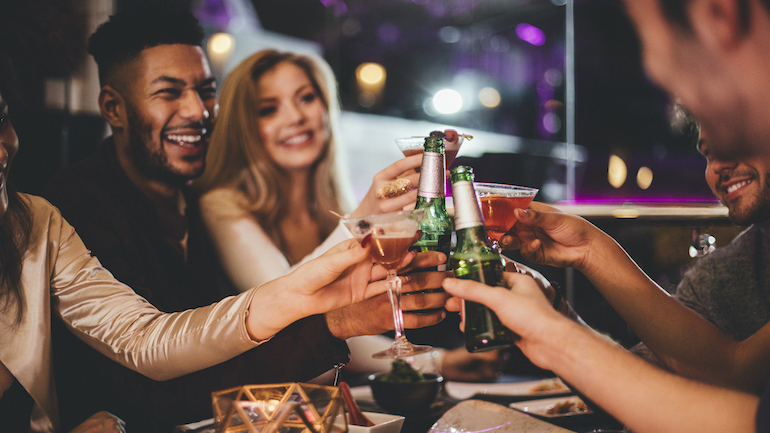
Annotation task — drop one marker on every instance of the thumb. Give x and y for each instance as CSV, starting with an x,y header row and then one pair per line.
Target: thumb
x,y
326,268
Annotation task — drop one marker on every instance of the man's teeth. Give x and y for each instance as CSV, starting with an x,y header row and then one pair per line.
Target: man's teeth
x,y
737,186
184,138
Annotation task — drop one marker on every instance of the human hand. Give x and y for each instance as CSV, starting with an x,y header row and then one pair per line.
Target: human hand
x,y
521,306
554,296
101,422
339,277
404,169
375,315
547,236
461,365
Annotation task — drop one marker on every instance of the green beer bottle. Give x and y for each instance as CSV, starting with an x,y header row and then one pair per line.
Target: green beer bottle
x,y
436,224
474,259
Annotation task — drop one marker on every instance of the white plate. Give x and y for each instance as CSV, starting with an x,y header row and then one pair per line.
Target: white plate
x,y
463,390
483,416
541,407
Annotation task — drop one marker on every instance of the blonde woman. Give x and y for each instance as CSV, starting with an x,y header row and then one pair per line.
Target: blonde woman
x,y
271,179
271,173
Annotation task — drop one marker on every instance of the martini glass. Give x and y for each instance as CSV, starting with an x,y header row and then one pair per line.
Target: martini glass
x,y
497,204
391,236
413,145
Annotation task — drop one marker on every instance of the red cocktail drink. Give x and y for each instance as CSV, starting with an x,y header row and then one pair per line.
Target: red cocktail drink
x,y
388,251
391,236
498,213
498,202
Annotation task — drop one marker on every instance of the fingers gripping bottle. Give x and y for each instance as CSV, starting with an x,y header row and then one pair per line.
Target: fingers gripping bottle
x,y
436,224
474,259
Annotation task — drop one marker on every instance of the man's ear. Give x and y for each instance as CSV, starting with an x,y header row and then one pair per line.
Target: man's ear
x,y
720,24
112,106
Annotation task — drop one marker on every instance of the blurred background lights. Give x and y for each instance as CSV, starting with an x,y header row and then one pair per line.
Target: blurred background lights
x,y
367,99
371,73
616,171
371,82
388,32
221,43
552,122
447,101
489,97
499,43
644,177
529,33
449,34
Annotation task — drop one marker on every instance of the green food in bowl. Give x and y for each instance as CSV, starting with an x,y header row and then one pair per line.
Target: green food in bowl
x,y
404,390
402,372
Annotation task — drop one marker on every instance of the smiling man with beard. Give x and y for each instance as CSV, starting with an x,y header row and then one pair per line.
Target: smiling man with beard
x,y
131,204
731,286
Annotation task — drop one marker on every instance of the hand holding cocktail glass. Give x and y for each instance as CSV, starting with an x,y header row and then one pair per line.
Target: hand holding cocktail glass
x,y
498,202
452,142
390,236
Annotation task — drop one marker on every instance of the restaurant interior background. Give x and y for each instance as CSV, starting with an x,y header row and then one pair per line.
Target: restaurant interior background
x,y
551,90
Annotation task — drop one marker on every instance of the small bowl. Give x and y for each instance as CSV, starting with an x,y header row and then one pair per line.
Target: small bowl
x,y
407,397
383,423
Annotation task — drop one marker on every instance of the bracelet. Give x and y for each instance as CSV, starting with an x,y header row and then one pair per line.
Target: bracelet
x,y
559,295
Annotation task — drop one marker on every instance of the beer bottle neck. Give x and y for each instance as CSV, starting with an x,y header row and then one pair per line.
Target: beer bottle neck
x,y
432,175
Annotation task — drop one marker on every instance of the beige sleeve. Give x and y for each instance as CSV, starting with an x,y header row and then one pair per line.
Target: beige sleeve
x,y
112,318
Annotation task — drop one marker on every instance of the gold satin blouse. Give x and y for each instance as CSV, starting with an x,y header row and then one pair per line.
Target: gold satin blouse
x,y
60,276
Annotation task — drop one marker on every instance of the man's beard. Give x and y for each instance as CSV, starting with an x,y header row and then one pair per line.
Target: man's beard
x,y
756,211
153,164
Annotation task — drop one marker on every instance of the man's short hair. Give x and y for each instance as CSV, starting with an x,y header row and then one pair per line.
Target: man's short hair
x,y
128,32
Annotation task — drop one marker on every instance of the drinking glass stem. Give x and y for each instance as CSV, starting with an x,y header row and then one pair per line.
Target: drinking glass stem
x,y
394,293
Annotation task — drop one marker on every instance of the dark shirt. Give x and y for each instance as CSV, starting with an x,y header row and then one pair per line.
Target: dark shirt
x,y
763,411
140,246
15,409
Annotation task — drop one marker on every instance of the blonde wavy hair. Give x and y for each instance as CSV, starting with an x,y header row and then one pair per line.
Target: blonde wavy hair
x,y
237,158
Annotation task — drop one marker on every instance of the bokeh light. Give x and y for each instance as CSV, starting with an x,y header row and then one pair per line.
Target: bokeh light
x,y
644,177
447,101
616,171
371,73
221,43
529,33
489,97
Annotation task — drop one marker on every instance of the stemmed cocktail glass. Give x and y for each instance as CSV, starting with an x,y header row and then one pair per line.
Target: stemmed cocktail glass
x,y
497,204
413,145
391,236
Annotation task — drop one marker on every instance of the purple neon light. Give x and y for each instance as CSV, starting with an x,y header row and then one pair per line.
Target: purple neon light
x,y
529,33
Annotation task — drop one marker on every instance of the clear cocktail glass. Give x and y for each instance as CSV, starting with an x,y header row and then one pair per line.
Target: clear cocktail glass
x,y
413,145
497,204
391,236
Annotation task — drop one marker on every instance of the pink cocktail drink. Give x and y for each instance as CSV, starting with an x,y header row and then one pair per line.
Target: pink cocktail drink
x,y
389,250
498,202
391,236
498,213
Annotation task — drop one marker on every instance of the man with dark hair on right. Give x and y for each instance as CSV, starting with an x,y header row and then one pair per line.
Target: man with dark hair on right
x,y
714,55
131,204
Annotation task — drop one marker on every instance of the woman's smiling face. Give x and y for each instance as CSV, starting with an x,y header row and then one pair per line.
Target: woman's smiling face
x,y
293,120
9,145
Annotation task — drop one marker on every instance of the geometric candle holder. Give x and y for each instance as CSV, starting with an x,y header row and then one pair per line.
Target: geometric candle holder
x,y
280,408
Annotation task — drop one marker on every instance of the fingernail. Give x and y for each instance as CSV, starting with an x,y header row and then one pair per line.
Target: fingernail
x,y
366,240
